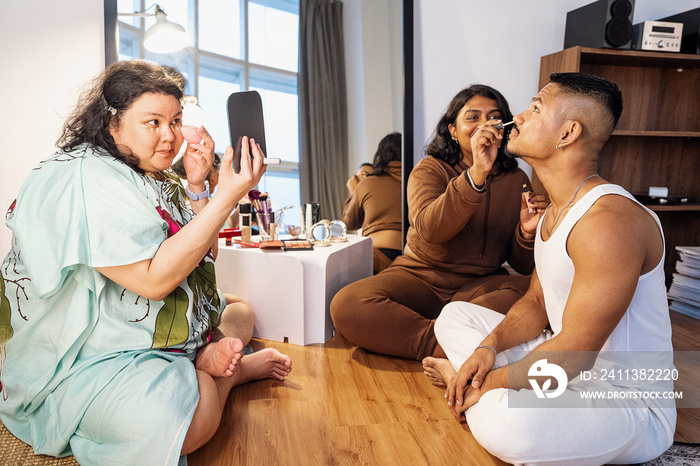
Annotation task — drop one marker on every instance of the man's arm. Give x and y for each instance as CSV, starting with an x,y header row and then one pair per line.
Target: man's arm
x,y
611,246
525,321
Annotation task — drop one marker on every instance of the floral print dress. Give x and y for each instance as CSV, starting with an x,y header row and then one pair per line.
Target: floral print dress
x,y
87,367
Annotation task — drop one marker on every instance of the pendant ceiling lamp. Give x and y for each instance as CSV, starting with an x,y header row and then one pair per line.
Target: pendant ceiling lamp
x,y
164,36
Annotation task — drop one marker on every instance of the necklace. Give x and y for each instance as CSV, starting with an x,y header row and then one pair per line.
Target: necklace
x,y
556,220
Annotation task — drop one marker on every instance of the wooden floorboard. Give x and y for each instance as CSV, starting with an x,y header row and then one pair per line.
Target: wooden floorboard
x,y
344,406
340,406
686,337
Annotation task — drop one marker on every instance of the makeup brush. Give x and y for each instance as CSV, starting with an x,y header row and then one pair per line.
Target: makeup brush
x,y
502,125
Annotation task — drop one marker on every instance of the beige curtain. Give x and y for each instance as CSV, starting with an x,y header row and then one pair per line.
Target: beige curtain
x,y
323,121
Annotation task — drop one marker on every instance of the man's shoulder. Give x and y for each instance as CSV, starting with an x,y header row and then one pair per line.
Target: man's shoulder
x,y
616,222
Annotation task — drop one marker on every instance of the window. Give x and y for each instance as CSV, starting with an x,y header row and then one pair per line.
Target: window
x,y
235,45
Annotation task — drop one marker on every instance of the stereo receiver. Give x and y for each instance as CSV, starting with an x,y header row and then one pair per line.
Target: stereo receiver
x,y
658,35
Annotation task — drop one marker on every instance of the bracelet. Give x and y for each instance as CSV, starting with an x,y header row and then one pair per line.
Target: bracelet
x,y
197,196
526,236
478,189
487,347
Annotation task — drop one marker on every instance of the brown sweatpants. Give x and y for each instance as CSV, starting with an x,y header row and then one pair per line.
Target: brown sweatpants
x,y
393,312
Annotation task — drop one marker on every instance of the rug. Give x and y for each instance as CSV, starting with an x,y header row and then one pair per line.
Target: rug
x,y
14,452
680,454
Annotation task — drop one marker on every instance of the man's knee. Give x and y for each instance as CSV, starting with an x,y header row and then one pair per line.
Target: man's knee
x,y
454,314
503,432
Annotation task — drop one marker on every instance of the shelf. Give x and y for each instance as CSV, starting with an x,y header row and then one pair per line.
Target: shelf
x,y
617,57
673,208
664,134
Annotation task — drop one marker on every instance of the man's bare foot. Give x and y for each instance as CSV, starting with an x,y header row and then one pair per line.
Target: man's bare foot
x,y
220,358
438,370
267,363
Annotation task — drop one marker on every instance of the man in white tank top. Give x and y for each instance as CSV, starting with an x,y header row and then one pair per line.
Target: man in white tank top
x,y
596,307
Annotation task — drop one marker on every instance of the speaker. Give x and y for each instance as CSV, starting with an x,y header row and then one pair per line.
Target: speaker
x,y
605,23
690,42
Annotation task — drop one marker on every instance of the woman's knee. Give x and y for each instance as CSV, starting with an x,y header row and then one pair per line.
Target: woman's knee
x,y
237,320
342,306
354,307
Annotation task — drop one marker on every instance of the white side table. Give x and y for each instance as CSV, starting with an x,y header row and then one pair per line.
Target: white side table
x,y
291,291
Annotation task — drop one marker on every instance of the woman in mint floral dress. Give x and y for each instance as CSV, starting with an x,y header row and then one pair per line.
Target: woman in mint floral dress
x,y
115,344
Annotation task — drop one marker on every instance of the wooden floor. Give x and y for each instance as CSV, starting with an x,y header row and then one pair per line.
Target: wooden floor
x,y
686,337
344,406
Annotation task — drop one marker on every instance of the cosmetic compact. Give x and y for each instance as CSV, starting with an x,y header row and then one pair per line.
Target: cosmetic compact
x,y
320,233
338,231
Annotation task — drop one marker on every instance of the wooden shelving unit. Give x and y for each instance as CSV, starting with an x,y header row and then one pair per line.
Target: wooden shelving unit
x,y
657,140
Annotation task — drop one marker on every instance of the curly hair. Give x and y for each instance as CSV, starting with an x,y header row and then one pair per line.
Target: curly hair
x,y
443,147
108,96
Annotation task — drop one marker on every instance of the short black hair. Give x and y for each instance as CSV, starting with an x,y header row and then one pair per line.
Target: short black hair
x,y
601,90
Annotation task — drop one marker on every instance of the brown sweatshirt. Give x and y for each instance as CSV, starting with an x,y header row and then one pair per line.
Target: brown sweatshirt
x,y
457,229
375,206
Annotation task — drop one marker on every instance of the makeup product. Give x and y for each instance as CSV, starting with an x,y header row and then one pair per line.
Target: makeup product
x,y
320,232
271,161
267,245
192,119
298,245
527,191
263,224
272,227
311,212
229,232
244,221
502,125
252,244
308,221
338,231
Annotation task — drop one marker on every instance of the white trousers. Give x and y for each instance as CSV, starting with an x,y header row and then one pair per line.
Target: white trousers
x,y
548,436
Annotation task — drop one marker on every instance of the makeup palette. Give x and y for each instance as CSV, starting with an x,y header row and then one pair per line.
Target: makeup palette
x,y
298,245
276,244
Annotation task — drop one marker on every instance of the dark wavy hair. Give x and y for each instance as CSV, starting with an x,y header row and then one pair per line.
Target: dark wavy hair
x,y
443,147
108,96
388,150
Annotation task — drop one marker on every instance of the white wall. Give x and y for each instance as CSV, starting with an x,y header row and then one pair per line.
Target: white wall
x,y
374,70
49,49
52,48
458,43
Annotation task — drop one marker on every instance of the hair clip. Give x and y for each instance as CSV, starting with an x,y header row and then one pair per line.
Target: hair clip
x,y
108,107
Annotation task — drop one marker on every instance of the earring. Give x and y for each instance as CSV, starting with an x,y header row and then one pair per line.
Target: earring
x,y
455,139
560,144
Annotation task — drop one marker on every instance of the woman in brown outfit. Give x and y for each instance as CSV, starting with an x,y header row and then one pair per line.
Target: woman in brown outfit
x,y
375,202
468,216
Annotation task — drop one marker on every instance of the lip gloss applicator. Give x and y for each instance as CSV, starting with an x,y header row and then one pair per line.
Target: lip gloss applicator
x,y
526,190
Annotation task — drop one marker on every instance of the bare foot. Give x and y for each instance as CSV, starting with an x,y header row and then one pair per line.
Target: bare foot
x,y
438,370
267,363
220,358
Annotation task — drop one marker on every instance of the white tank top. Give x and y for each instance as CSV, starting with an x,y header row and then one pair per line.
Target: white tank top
x,y
646,326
